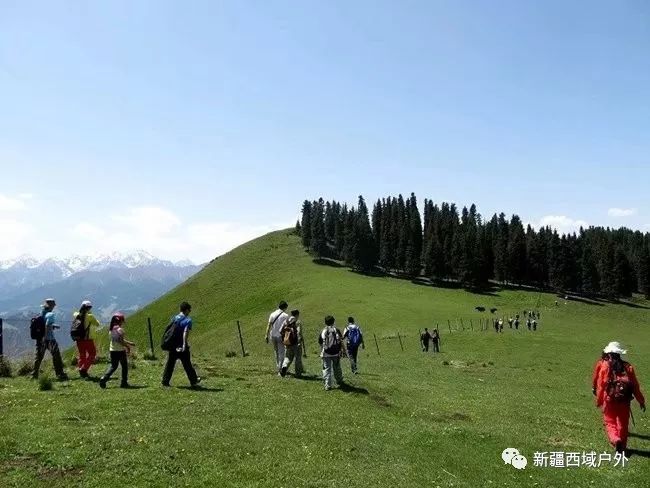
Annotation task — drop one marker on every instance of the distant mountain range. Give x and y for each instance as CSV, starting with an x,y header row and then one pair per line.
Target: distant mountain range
x,y
118,281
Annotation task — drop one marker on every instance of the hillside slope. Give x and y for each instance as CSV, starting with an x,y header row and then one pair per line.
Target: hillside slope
x,y
411,419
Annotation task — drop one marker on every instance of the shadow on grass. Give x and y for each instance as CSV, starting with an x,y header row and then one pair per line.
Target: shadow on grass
x,y
347,388
327,262
311,377
638,452
489,291
205,389
639,436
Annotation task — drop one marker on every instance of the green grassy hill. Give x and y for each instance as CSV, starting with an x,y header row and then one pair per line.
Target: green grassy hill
x,y
412,420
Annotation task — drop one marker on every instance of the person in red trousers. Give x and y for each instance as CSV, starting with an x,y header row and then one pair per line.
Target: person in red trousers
x,y
86,345
617,385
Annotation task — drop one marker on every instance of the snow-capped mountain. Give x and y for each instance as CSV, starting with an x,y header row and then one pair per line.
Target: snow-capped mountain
x,y
25,273
116,281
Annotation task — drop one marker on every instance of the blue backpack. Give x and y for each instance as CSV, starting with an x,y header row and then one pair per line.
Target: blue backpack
x,y
354,336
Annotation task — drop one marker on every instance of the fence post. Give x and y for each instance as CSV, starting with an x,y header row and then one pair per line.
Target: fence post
x,y
241,340
400,342
462,323
150,336
471,324
376,344
1,349
449,325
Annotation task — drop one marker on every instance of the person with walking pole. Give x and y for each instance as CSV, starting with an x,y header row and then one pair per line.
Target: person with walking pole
x,y
84,329
425,338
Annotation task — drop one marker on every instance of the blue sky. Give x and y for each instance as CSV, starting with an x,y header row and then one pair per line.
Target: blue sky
x,y
186,128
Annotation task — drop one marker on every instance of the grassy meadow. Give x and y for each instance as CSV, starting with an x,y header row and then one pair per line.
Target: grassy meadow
x,y
409,420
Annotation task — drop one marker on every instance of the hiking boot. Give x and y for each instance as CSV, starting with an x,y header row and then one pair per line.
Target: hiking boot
x,y
619,447
64,377
83,373
165,385
125,385
283,371
102,383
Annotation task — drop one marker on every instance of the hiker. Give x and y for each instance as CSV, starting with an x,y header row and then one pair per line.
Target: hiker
x,y
182,324
47,341
291,333
276,322
436,340
425,338
597,368
517,323
615,388
354,338
119,349
534,325
330,340
500,325
496,325
528,323
510,322
84,328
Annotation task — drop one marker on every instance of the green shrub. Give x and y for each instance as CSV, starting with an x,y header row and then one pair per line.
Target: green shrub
x,y
25,368
74,361
231,354
45,383
445,363
149,356
5,368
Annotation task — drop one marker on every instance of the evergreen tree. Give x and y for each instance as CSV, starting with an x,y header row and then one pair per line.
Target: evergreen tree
x,y
318,244
589,271
339,230
644,272
623,280
330,221
306,223
413,256
501,249
516,249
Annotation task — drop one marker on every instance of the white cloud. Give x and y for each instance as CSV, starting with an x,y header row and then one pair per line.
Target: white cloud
x,y
25,196
148,221
154,229
89,231
562,223
14,235
9,204
621,212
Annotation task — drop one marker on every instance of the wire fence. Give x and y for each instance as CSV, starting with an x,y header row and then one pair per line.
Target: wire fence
x,y
15,340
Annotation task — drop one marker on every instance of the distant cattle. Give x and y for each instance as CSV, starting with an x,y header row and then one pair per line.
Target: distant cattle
x,y
493,310
480,309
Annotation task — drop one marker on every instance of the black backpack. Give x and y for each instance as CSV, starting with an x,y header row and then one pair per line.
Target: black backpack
x,y
37,328
78,329
170,339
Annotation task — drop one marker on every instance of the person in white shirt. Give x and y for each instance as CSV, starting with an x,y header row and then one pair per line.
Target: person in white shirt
x,y
276,321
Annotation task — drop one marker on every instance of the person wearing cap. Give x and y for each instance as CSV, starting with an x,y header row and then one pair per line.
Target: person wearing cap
x,y
183,325
616,386
276,321
86,345
119,348
292,339
48,342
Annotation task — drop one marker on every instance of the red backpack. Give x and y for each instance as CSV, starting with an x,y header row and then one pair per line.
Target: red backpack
x,y
619,386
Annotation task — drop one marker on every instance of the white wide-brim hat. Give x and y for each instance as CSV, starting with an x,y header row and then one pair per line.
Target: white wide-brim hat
x,y
614,348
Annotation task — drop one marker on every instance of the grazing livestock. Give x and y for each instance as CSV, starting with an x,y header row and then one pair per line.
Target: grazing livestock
x,y
480,309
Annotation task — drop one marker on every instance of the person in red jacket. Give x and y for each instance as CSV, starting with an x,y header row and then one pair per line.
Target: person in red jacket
x,y
599,365
617,385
